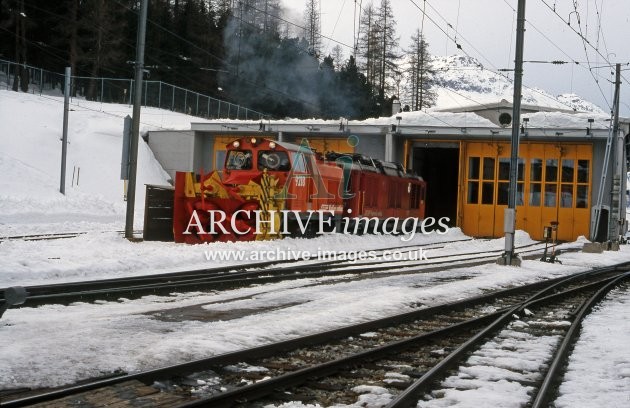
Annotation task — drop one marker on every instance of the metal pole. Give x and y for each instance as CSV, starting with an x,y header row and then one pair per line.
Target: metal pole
x,y
135,128
64,139
510,212
615,200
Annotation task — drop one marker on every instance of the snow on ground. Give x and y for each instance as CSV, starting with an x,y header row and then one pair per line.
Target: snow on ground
x,y
494,375
53,345
30,163
60,344
108,255
598,374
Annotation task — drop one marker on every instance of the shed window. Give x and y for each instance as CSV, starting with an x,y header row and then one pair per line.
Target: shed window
x,y
551,170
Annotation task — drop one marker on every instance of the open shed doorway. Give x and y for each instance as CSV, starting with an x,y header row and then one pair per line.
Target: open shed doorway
x,y
438,164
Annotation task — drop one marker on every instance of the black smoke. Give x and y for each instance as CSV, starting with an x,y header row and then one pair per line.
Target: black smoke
x,y
279,75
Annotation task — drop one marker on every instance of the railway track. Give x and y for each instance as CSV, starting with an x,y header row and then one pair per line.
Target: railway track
x,y
259,273
527,344
401,358
103,288
56,235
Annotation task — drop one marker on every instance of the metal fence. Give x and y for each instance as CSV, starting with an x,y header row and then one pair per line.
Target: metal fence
x,y
156,94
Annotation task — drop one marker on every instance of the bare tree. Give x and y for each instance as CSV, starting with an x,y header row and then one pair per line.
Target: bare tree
x,y
377,47
312,28
260,14
367,43
388,56
420,74
337,56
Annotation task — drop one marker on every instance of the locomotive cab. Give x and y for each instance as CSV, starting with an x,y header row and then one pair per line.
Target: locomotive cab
x,y
248,158
308,182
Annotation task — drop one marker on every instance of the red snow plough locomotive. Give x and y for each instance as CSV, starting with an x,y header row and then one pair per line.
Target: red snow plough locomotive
x,y
269,188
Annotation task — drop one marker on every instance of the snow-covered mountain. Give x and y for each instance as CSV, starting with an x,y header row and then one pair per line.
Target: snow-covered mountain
x,y
580,104
462,81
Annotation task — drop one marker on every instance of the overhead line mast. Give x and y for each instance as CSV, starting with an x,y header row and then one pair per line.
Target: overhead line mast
x,y
135,127
509,256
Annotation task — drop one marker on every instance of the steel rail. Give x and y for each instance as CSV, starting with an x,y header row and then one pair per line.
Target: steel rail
x,y
272,349
204,272
544,392
263,388
55,235
410,396
222,277
287,345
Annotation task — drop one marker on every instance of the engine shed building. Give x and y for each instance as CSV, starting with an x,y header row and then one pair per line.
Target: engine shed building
x,y
564,175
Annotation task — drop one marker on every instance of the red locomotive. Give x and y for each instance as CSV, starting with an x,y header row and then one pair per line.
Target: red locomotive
x,y
270,188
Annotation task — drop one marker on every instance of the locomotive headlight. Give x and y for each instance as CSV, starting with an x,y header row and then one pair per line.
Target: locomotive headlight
x,y
253,140
236,143
272,145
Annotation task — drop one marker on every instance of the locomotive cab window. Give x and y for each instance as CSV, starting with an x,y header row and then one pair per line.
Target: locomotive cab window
x,y
239,160
273,160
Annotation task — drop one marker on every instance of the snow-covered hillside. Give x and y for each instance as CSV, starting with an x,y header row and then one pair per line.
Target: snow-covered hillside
x,y
30,163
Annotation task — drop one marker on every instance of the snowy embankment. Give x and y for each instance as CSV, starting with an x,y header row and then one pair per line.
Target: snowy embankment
x,y
30,164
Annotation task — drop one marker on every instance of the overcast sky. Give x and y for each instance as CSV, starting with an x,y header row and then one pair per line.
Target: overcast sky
x,y
486,30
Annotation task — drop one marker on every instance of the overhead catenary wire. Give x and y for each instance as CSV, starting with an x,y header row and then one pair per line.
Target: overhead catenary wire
x,y
482,55
298,26
586,41
496,70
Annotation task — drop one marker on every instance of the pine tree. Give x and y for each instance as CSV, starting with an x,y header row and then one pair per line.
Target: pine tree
x,y
358,94
329,100
312,31
420,74
14,20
